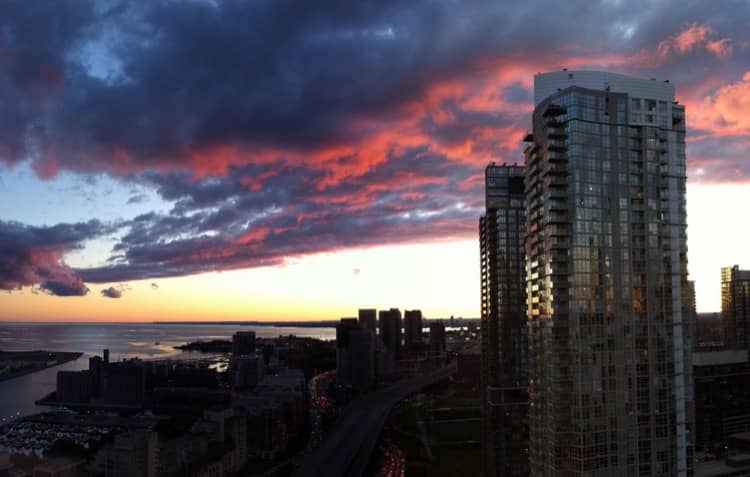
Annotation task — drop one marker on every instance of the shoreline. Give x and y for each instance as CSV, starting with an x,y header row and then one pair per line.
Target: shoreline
x,y
72,357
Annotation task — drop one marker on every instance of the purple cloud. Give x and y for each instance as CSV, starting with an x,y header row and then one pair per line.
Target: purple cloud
x,y
32,256
111,292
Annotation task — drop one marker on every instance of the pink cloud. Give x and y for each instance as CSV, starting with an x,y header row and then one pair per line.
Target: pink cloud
x,y
724,113
42,266
693,37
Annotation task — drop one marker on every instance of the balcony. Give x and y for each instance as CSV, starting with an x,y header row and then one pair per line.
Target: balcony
x,y
557,156
556,167
557,146
556,199
557,133
554,110
558,204
558,218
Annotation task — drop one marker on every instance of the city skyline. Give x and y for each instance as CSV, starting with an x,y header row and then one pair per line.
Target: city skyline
x,y
283,189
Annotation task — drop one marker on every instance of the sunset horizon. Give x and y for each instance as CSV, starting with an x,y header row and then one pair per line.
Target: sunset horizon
x,y
136,185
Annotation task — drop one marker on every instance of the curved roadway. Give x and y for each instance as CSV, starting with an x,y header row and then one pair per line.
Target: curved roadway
x,y
346,449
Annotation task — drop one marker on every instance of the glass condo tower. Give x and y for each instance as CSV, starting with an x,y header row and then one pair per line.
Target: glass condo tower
x,y
610,388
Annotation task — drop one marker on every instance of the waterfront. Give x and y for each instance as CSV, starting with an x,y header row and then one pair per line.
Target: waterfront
x,y
124,340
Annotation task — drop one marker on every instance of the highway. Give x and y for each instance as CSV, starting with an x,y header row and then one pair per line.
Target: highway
x,y
347,447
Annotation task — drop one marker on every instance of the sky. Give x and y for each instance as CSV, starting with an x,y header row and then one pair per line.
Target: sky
x,y
285,160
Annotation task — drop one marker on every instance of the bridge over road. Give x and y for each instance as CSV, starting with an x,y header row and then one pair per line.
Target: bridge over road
x,y
346,449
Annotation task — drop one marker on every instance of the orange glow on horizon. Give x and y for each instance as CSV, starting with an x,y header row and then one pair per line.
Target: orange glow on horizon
x,y
441,279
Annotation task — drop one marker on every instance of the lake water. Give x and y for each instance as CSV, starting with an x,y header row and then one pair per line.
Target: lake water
x,y
124,340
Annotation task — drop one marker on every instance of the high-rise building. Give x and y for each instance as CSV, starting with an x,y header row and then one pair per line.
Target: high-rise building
x,y
690,328
342,330
610,375
412,328
355,355
504,374
437,337
735,307
243,342
389,323
368,318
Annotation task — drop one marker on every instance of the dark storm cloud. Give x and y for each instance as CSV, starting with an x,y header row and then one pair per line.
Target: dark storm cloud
x,y
190,76
278,128
35,39
32,256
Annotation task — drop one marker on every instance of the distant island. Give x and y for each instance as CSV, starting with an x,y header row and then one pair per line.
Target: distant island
x,y
18,363
213,346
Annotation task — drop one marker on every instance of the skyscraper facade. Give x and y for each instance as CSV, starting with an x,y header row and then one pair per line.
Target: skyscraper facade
x,y
412,329
504,373
389,327
355,354
368,318
735,307
609,344
437,337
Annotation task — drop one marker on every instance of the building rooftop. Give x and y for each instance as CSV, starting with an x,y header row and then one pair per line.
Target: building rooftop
x,y
715,468
547,84
716,358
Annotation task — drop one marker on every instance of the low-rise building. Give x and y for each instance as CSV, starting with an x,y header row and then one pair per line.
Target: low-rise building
x,y
131,453
74,386
59,467
246,370
722,396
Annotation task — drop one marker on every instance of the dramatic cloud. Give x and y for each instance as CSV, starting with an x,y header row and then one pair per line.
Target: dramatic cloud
x,y
218,223
276,130
112,292
202,85
726,110
695,36
32,256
